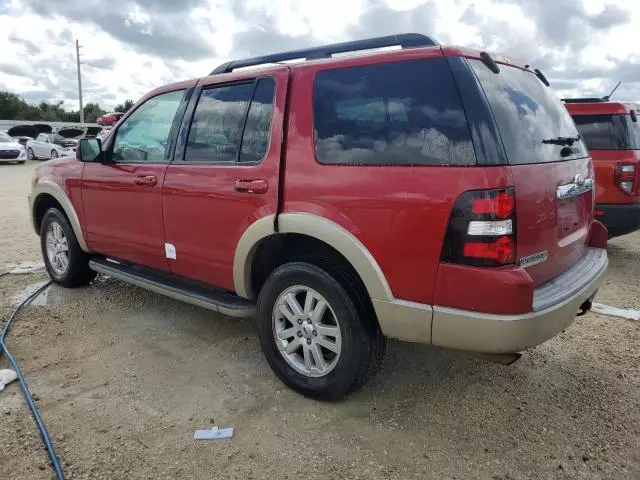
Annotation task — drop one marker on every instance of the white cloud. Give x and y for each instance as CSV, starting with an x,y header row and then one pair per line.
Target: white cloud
x,y
130,47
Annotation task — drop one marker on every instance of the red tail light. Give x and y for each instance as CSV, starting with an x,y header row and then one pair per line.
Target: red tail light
x,y
481,229
501,205
627,177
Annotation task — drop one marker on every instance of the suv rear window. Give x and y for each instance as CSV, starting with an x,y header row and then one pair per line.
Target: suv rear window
x,y
527,112
401,113
609,132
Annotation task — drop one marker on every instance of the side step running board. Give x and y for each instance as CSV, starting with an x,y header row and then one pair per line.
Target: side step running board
x,y
218,301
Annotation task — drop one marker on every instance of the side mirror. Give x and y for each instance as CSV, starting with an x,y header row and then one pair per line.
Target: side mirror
x,y
89,150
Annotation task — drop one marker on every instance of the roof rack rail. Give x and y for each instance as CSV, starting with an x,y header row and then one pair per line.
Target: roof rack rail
x,y
584,100
404,40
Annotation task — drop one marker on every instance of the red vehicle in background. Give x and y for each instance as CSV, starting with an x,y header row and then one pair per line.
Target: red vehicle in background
x,y
109,119
611,131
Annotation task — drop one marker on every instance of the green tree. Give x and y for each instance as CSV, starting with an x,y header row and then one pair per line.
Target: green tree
x,y
124,107
92,111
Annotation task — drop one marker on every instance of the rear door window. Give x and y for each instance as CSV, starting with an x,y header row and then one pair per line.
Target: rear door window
x,y
401,113
232,123
609,132
527,113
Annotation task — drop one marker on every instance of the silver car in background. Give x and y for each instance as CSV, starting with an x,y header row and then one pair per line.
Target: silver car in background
x,y
11,150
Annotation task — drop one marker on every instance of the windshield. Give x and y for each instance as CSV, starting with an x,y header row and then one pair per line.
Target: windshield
x,y
609,132
4,138
532,120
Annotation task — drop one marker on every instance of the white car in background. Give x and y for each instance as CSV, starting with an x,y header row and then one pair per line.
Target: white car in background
x,y
43,146
11,150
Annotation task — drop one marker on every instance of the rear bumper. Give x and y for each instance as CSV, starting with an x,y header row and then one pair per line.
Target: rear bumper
x,y
555,306
620,219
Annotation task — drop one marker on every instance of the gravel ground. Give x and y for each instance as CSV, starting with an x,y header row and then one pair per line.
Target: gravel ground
x,y
123,377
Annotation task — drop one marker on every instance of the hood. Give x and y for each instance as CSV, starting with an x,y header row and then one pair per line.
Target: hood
x,y
23,131
43,128
93,131
71,132
10,146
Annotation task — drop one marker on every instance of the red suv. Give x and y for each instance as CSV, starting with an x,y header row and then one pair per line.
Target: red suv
x,y
109,119
611,131
432,194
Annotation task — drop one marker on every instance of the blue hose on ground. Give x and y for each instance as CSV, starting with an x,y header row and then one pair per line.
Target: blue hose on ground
x,y
55,462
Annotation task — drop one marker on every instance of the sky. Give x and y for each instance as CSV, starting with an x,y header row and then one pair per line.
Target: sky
x,y
584,47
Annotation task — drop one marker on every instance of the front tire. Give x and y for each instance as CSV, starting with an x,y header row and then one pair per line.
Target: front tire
x,y
65,261
54,154
30,154
313,333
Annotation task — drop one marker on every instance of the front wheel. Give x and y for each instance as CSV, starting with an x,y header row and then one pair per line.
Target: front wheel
x,y
30,154
54,154
313,334
65,261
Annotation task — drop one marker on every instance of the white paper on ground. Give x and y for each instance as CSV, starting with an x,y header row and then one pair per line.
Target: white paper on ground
x,y
616,312
214,433
6,377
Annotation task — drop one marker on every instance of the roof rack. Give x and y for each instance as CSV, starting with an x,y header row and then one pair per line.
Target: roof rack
x,y
404,40
584,100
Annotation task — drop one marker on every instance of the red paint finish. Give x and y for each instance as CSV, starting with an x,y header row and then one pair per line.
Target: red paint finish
x,y
545,223
123,219
507,290
65,172
605,163
399,213
598,235
208,207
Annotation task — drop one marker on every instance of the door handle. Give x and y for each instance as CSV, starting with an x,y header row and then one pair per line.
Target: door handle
x,y
252,186
146,180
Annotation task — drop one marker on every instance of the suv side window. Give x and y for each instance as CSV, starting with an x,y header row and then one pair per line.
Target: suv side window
x,y
144,136
377,115
216,127
257,130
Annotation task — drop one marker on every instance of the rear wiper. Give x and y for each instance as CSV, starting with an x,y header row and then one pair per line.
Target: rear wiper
x,y
562,140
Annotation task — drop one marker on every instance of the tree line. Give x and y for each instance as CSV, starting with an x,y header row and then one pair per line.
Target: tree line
x,y
14,107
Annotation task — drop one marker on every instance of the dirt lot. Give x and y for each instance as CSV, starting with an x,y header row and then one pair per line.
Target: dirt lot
x,y
123,377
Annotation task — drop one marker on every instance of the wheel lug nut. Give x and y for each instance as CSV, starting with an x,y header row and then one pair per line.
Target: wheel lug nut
x,y
308,341
300,321
299,334
315,334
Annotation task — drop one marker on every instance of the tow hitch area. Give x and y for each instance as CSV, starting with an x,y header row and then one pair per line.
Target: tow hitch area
x,y
585,307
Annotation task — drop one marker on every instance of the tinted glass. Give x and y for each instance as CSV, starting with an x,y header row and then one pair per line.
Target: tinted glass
x,y
144,136
527,112
216,127
596,131
609,132
257,130
402,113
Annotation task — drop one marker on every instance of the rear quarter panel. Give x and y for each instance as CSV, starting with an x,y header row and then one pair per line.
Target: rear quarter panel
x,y
399,213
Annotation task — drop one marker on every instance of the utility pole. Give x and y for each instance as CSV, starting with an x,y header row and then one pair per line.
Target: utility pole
x,y
79,82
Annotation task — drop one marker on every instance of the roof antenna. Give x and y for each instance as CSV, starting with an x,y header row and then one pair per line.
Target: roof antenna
x,y
606,98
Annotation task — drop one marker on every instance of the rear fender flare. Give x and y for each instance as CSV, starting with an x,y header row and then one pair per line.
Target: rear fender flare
x,y
317,227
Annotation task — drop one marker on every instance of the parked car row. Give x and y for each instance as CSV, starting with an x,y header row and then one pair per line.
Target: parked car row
x,y
434,194
40,143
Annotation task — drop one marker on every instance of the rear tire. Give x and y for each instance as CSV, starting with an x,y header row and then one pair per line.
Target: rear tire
x,y
350,348
54,154
65,261
30,154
